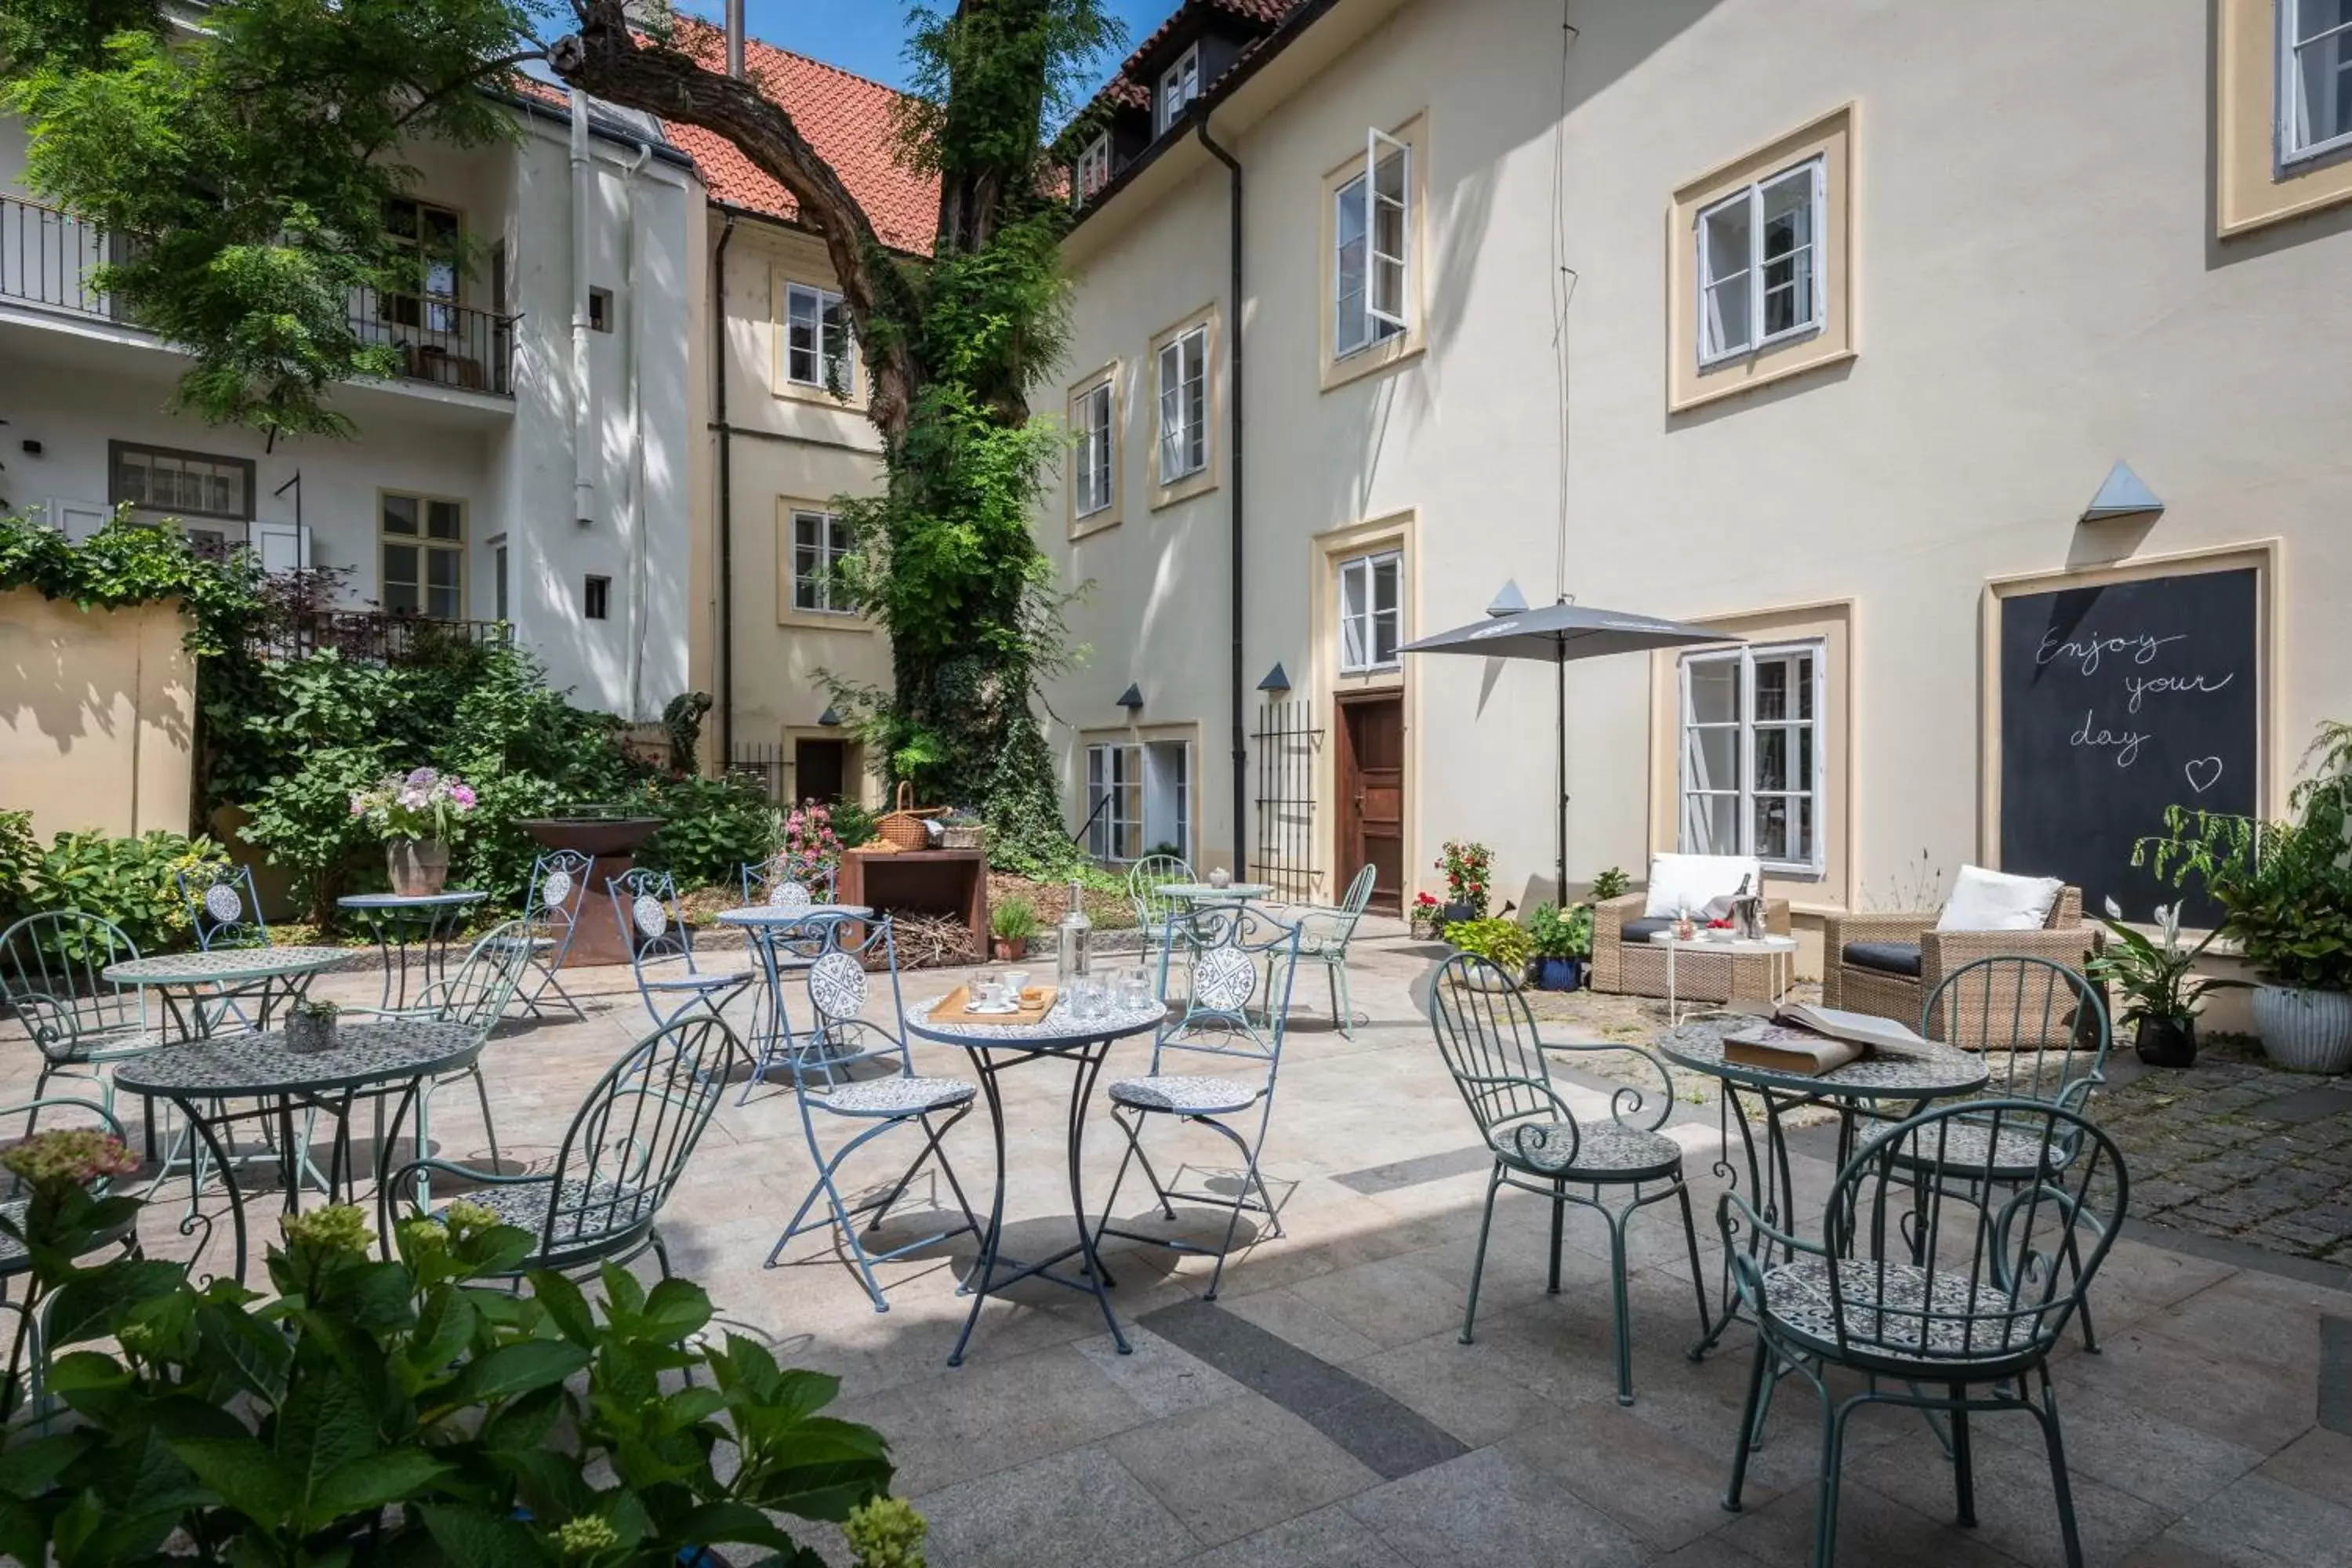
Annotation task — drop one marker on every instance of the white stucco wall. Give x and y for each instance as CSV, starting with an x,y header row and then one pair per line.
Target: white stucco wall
x,y
2039,295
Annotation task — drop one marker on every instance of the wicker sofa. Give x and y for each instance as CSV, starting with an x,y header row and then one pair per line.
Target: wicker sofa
x,y
1887,965
1626,962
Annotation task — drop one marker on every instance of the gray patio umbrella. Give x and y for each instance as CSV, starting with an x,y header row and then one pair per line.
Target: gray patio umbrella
x,y
1556,634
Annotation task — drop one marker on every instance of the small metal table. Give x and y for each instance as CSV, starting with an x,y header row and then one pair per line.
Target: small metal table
x,y
397,920
996,1049
1929,1072
1780,951
368,1058
206,982
1209,893
766,928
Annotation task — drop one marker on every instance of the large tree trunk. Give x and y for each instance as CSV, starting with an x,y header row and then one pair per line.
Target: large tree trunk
x,y
607,60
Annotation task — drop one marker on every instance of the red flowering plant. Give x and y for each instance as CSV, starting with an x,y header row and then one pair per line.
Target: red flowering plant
x,y
1469,871
1424,913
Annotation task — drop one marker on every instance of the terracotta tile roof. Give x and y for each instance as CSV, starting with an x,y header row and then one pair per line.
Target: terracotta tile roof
x,y
848,119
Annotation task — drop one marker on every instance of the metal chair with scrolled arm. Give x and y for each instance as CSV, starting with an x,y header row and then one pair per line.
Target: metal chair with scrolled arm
x,y
1957,1316
1323,937
1152,907
1500,1064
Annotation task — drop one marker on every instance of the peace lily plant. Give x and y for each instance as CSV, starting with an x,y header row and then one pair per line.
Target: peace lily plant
x,y
2157,981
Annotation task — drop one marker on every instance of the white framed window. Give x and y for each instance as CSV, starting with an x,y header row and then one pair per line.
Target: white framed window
x,y
816,339
2314,81
1760,269
1179,84
424,556
1184,404
1094,478
1139,799
1752,754
1370,227
820,544
1372,612
185,484
1094,168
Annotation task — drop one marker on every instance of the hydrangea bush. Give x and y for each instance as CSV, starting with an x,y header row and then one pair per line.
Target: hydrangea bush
x,y
425,804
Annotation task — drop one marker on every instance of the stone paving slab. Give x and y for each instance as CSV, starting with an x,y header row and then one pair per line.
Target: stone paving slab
x,y
1324,1413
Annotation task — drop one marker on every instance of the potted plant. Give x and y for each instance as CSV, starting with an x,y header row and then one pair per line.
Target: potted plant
x,y
1562,943
418,816
2160,996
1011,924
310,1026
2286,892
1611,884
1422,916
1468,870
1502,943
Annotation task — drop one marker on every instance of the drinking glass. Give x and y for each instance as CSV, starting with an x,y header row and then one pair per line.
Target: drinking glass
x,y
1135,989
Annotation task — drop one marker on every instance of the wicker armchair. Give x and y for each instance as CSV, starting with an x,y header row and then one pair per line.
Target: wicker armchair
x,y
1626,962
1888,964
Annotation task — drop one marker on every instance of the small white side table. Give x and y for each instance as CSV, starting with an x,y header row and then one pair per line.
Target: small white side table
x,y
1781,951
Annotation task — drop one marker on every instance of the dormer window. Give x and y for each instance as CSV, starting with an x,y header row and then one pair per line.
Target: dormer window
x,y
1179,84
1094,167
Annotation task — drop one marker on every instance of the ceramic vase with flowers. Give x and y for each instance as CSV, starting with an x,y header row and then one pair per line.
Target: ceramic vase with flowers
x,y
418,816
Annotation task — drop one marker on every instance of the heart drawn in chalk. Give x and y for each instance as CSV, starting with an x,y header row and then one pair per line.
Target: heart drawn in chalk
x,y
2202,773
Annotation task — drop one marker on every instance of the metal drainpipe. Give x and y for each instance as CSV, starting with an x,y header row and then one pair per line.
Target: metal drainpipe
x,y
583,431
1239,566
633,480
726,650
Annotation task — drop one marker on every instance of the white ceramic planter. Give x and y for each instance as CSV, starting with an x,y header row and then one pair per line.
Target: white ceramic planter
x,y
2305,1031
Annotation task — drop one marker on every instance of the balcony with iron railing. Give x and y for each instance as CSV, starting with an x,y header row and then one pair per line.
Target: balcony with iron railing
x,y
47,257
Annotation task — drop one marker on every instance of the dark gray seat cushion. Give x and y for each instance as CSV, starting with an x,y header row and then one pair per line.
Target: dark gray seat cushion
x,y
1885,957
1642,929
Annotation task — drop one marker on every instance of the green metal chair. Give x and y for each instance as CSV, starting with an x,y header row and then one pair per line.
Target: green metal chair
x,y
1323,937
51,977
1941,1303
475,999
1152,907
1499,1063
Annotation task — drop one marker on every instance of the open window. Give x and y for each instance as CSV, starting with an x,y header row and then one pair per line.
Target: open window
x,y
1370,260
1139,799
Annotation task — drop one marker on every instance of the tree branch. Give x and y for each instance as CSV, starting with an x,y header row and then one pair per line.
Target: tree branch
x,y
605,58
425,99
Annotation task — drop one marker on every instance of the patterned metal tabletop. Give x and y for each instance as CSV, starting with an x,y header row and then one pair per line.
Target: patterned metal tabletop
x,y
258,1063
226,965
787,914
396,901
1939,1072
1057,1029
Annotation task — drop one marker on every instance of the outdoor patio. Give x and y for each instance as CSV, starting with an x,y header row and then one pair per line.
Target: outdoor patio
x,y
1322,1411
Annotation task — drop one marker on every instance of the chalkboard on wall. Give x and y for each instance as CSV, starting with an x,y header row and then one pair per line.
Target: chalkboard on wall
x,y
2116,701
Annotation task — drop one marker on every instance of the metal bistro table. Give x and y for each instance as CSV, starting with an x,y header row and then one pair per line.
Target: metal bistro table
x,y
1209,893
995,1048
766,928
397,920
266,976
371,1058
1933,1071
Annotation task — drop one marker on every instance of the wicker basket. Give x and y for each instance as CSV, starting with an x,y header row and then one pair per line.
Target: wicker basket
x,y
904,826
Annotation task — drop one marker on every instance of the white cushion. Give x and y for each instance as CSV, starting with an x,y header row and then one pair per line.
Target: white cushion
x,y
1995,900
1694,881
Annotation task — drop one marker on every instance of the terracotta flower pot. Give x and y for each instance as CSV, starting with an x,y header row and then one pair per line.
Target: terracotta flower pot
x,y
1008,949
419,867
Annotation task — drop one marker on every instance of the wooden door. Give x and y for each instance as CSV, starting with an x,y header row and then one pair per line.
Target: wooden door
x,y
1370,774
818,769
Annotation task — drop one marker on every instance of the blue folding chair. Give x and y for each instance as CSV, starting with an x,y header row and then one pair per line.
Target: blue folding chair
x,y
661,949
884,1101
551,910
1242,962
223,907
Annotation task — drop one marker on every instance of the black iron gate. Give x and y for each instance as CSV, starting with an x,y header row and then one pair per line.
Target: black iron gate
x,y
758,762
1288,743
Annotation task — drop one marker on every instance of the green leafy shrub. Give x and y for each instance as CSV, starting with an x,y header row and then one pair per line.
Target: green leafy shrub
x,y
1611,884
709,829
129,881
1504,943
411,1410
1551,934
303,821
126,563
20,862
853,824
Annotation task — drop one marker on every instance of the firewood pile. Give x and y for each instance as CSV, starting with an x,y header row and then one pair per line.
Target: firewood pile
x,y
926,940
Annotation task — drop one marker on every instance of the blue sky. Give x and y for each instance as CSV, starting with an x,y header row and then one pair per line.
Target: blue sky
x,y
867,36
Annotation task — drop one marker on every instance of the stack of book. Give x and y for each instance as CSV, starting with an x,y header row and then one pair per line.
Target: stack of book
x,y
1811,1040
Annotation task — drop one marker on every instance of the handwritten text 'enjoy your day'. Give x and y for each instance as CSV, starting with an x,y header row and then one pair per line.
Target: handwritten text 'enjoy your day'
x,y
2086,653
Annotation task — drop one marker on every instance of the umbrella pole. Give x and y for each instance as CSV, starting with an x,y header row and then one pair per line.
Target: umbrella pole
x,y
1560,732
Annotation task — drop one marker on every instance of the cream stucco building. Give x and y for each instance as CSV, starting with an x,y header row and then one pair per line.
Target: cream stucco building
x,y
1818,320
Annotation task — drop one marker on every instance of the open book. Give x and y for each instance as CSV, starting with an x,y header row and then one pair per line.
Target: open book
x,y
1809,1039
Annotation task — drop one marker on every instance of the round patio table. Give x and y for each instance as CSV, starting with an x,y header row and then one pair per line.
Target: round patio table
x,y
201,1076
268,976
766,928
995,1048
1761,1099
396,921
